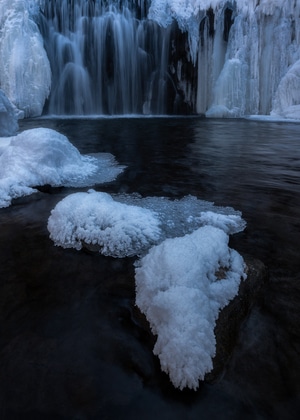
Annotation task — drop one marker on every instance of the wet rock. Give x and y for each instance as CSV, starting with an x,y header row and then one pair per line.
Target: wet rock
x,y
231,317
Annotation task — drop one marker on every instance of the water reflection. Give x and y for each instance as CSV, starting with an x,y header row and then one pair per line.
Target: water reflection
x,y
72,344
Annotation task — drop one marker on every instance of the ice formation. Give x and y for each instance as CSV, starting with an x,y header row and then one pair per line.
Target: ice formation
x,y
247,53
287,98
8,117
43,156
25,74
181,285
118,230
181,216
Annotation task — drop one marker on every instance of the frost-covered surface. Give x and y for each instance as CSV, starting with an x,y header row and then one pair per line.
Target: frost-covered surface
x,y
181,216
126,225
25,74
8,117
43,156
119,230
181,285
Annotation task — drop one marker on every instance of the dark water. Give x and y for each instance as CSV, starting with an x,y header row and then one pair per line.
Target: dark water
x,y
72,345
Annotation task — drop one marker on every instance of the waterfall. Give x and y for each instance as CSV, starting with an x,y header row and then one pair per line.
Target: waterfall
x,y
219,58
107,59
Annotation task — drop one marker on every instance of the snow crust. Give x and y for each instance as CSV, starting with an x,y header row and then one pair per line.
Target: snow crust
x,y
181,289
120,230
25,74
8,117
43,156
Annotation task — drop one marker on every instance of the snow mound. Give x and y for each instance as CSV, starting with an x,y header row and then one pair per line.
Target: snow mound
x,y
118,230
181,285
8,117
43,156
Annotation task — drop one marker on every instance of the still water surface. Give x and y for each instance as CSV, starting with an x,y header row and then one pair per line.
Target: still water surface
x,y
71,346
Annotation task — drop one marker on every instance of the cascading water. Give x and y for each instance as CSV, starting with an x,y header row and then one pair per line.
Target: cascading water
x,y
221,58
107,59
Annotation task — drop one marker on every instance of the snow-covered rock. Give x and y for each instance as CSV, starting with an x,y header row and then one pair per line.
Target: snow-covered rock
x,y
25,74
95,219
43,156
181,285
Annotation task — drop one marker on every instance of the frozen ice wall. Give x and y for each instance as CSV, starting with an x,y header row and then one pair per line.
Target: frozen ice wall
x,y
246,50
246,54
8,117
25,74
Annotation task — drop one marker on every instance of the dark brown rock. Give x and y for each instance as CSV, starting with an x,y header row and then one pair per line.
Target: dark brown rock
x,y
231,317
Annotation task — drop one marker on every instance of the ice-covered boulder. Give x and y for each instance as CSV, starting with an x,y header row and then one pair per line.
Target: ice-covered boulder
x,y
94,219
25,74
43,156
8,117
181,285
